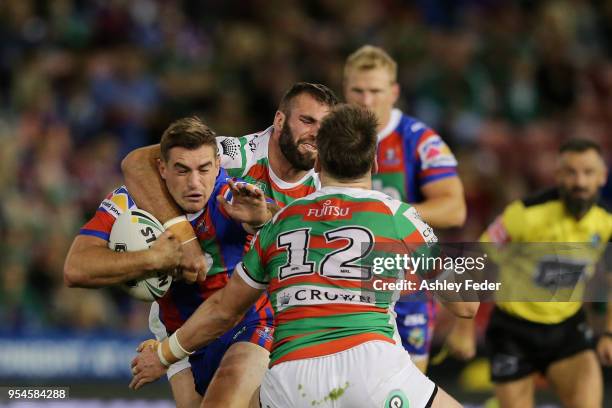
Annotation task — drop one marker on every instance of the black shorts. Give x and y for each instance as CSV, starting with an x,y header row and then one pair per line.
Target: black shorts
x,y
518,347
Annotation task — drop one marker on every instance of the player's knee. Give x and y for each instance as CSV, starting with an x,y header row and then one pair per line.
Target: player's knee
x,y
589,396
582,400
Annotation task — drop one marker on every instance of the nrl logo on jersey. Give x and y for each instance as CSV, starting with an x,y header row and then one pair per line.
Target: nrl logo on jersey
x,y
327,209
317,295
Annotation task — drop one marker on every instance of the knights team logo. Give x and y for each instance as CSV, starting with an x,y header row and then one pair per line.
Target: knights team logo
x,y
391,158
397,399
201,227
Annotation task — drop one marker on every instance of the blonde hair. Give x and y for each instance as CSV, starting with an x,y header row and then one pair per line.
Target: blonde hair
x,y
370,57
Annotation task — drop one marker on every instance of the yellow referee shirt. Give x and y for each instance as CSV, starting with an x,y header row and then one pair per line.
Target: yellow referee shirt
x,y
540,220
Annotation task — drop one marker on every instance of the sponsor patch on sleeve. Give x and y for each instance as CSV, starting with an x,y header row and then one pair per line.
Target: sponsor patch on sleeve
x,y
434,153
424,229
498,233
115,205
229,150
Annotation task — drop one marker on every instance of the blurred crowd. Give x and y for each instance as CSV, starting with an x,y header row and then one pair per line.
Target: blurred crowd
x,y
84,82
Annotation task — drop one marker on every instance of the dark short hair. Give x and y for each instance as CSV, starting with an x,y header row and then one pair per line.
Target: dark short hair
x,y
190,133
346,141
579,146
320,93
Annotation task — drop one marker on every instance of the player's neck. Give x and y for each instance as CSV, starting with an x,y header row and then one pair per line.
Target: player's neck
x,y
364,182
280,165
383,122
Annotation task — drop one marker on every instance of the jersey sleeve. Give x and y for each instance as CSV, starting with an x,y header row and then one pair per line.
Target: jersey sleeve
x,y
507,227
252,268
435,160
236,153
417,236
110,208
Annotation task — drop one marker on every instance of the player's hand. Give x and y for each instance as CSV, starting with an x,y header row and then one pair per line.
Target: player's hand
x,y
193,265
150,343
604,350
461,341
166,251
146,368
248,204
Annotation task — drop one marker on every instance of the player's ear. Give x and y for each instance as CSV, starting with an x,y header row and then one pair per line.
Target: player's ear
x,y
395,92
161,167
604,176
279,121
218,164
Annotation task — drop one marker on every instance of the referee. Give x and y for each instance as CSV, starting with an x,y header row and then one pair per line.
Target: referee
x,y
552,337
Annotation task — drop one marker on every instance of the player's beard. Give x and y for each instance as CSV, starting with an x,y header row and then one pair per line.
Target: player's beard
x,y
290,150
577,206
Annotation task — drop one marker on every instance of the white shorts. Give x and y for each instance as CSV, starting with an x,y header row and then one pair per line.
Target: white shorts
x,y
159,330
373,374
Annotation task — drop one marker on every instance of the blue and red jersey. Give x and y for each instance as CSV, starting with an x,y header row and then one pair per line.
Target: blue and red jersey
x,y
221,238
410,155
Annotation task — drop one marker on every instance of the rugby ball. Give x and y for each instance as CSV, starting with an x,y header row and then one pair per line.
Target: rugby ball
x,y
135,230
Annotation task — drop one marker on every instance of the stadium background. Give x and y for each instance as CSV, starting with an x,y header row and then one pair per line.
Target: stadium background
x,y
84,82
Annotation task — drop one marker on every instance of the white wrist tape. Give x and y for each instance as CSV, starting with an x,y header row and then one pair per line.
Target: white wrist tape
x,y
175,220
176,348
160,354
189,240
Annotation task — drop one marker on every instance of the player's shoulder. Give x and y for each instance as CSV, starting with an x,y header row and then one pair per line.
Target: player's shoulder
x,y
385,202
604,205
243,151
413,128
118,201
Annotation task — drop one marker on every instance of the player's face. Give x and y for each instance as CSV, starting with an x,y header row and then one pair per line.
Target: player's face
x,y
580,176
373,89
190,176
299,131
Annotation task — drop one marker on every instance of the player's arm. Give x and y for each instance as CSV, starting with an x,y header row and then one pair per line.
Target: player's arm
x,y
406,221
604,345
464,310
90,263
212,319
218,314
149,191
444,204
145,184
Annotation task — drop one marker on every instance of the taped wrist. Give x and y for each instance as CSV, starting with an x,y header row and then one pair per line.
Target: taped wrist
x,y
170,350
181,228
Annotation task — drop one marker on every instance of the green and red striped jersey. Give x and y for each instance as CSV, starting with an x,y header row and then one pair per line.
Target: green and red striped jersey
x,y
315,259
246,157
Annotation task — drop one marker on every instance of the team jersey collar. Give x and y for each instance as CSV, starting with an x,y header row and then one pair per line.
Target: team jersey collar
x,y
394,120
193,216
354,191
285,185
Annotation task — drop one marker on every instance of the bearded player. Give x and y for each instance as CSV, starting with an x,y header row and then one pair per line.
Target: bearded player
x,y
334,341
